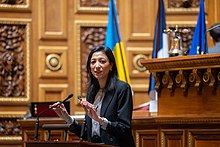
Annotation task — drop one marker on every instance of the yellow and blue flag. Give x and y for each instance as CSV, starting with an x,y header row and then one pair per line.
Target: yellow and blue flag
x,y
113,41
199,41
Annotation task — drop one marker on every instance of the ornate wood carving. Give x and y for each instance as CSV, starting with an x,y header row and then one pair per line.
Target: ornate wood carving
x,y
93,3
15,5
91,6
185,72
12,60
9,126
183,3
13,2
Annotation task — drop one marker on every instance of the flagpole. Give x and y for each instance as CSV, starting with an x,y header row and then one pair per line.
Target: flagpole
x,y
117,32
158,27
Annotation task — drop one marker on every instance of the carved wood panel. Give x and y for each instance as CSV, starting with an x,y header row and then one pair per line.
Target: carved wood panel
x,y
149,138
14,61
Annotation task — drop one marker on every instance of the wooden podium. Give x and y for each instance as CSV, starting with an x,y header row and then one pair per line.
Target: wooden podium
x,y
56,139
188,104
187,84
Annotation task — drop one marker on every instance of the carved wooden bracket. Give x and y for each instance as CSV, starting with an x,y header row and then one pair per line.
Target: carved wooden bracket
x,y
185,72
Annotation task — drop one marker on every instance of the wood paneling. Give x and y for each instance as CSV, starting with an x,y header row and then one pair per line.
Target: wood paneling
x,y
149,138
171,138
172,131
52,92
140,20
53,19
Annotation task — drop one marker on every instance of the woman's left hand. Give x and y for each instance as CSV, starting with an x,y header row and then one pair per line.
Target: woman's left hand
x,y
90,110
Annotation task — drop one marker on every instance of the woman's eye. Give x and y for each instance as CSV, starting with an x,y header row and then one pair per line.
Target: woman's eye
x,y
92,62
102,61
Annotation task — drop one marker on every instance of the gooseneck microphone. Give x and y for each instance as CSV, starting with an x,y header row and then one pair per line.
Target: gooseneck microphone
x,y
42,112
212,28
208,30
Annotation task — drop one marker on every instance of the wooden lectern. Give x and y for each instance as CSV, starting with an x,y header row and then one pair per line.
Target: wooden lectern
x,y
188,104
55,137
187,84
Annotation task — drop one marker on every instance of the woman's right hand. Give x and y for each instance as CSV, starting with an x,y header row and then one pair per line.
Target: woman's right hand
x,y
61,111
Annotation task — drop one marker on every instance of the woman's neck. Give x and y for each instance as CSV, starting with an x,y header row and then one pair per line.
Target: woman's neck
x,y
102,83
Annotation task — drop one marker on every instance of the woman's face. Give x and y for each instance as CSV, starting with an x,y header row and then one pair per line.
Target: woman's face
x,y
100,65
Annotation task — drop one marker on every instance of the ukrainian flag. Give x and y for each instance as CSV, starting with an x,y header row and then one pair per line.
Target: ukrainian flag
x,y
113,41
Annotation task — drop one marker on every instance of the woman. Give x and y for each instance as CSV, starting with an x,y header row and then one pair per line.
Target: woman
x,y
108,104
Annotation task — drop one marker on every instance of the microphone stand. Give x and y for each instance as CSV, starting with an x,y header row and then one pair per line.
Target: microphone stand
x,y
42,112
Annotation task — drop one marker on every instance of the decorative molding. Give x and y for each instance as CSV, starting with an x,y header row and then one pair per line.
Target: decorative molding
x,y
136,20
135,55
196,135
12,114
26,23
162,139
17,5
190,120
183,24
180,9
185,72
53,34
143,136
53,61
168,135
10,138
90,9
52,88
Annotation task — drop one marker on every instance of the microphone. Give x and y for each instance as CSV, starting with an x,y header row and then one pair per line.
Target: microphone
x,y
83,124
212,28
42,112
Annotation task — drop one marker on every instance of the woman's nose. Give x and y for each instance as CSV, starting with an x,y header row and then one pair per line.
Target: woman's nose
x,y
97,65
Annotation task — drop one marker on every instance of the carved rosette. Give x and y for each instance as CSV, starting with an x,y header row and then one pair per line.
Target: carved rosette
x,y
185,72
53,62
137,64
